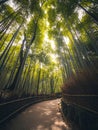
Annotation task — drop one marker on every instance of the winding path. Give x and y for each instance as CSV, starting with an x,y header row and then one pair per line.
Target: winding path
x,y
41,116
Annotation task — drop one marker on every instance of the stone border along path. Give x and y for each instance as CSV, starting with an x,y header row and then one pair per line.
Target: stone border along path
x,y
40,116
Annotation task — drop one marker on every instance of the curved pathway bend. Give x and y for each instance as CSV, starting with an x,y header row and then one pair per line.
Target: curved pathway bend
x,y
41,116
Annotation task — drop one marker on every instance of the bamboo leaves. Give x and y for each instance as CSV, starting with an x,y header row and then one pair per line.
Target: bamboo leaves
x,y
43,43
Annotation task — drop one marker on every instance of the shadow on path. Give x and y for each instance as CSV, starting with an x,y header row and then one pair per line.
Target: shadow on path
x,y
41,116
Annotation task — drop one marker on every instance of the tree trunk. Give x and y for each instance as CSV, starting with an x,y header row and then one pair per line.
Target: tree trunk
x,y
89,13
5,53
20,69
37,89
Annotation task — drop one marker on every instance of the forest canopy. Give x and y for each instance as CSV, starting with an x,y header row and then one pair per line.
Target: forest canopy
x,y
45,42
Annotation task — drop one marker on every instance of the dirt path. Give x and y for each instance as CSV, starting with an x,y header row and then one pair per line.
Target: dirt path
x,y
41,116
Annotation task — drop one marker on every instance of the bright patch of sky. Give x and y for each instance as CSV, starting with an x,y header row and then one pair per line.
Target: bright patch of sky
x,y
46,37
66,40
22,37
45,11
80,12
53,57
59,17
30,51
51,41
53,46
29,18
11,3
61,29
47,24
53,7
40,4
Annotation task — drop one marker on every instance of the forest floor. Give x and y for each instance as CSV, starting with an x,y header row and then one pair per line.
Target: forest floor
x,y
41,116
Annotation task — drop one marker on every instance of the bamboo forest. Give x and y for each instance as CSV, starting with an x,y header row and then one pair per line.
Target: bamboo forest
x,y
45,42
49,47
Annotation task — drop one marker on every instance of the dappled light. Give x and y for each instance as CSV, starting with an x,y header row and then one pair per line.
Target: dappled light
x,y
41,116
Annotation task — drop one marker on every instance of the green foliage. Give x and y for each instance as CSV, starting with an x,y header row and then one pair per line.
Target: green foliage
x,y
52,44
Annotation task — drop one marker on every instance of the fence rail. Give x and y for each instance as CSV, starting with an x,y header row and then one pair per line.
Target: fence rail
x,y
87,102
80,95
8,109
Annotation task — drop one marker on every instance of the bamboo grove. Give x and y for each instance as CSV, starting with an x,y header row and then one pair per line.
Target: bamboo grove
x,y
44,42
